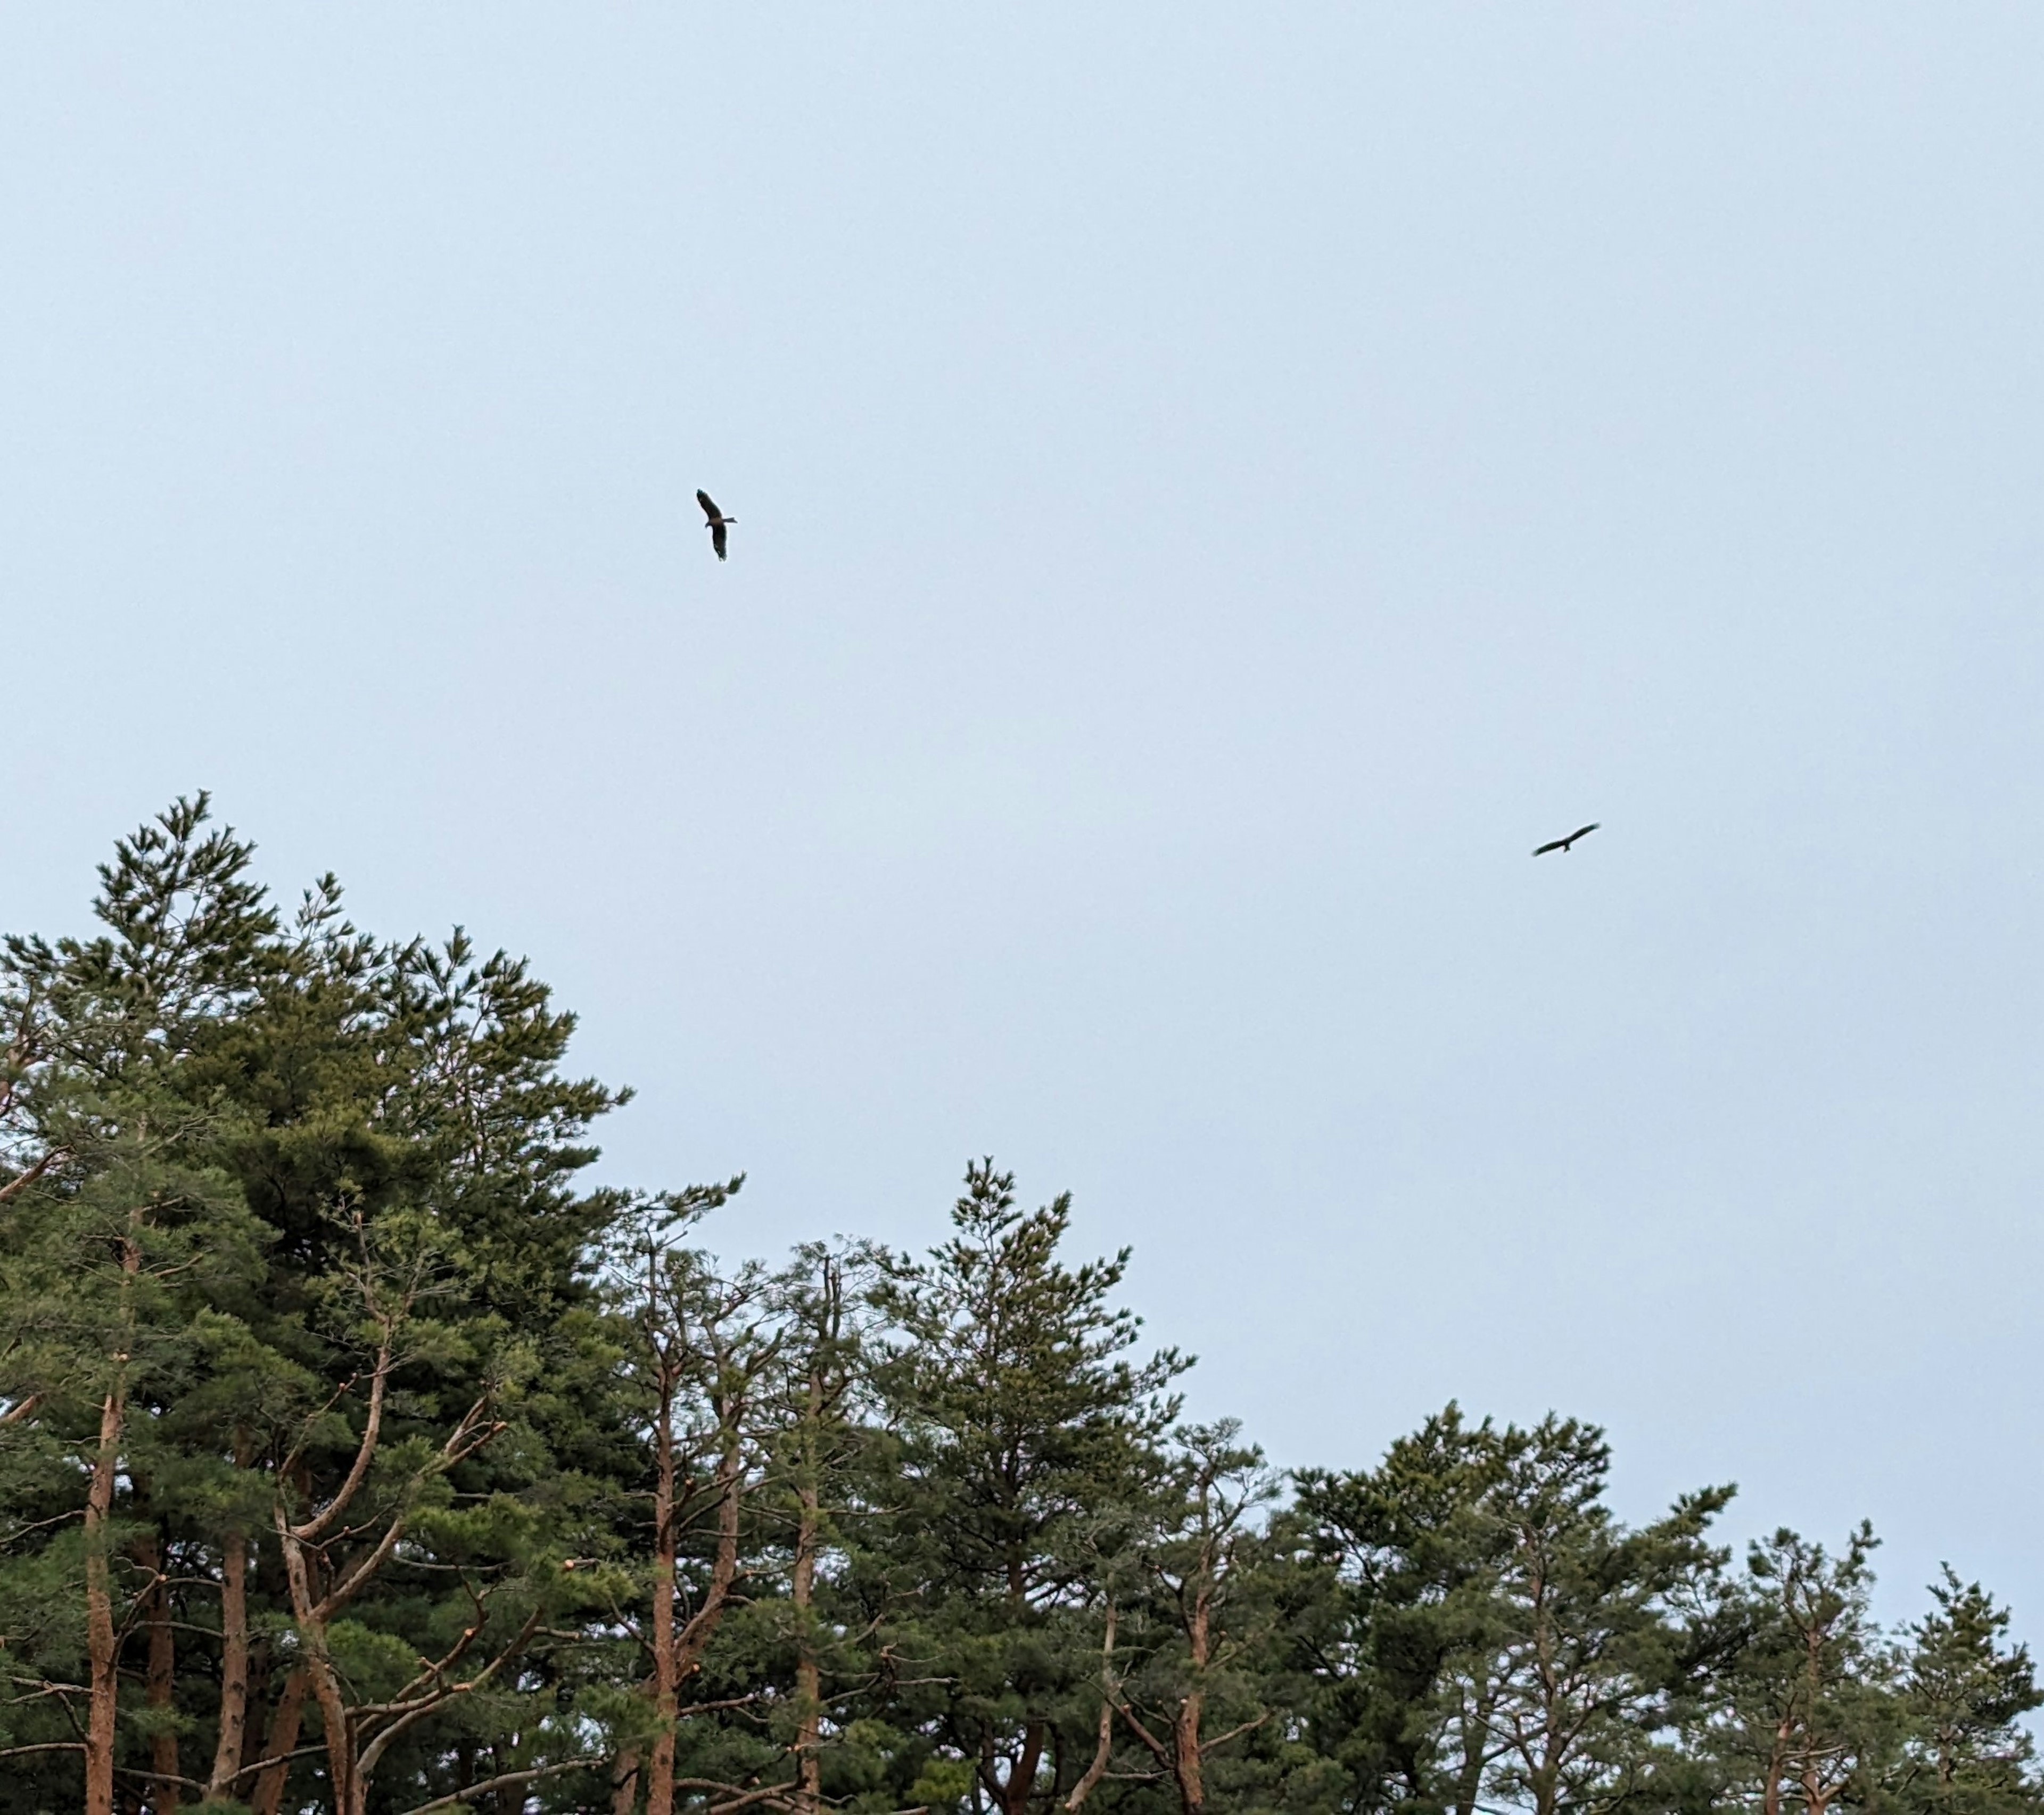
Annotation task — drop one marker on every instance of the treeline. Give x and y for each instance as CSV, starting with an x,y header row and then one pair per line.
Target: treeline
x,y
354,1458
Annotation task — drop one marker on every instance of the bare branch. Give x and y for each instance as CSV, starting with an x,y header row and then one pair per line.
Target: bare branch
x,y
509,1780
22,1181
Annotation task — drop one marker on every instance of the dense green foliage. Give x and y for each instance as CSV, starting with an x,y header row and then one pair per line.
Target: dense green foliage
x,y
355,1457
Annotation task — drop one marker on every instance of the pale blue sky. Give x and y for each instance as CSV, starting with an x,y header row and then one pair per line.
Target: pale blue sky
x,y
1216,486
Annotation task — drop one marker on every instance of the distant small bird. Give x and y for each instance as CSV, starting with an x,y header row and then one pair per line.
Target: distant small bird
x,y
717,520
1563,843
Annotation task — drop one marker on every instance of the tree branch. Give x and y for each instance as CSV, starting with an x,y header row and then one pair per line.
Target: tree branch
x,y
510,1779
22,1181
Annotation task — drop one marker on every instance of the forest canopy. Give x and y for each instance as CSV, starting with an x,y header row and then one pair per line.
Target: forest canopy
x,y
358,1456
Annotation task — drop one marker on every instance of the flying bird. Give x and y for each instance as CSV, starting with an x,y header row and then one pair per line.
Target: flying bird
x,y
1563,843
717,520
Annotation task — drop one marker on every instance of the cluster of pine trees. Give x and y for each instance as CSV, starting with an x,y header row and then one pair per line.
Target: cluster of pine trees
x,y
356,1458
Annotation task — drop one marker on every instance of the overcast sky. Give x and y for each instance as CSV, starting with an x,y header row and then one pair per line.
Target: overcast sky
x,y
1216,486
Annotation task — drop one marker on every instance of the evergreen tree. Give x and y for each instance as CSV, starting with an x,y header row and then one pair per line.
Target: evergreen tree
x,y
1020,1421
355,1460
244,1159
1504,1641
1410,1554
119,1232
1198,1618
1966,1690
1811,1717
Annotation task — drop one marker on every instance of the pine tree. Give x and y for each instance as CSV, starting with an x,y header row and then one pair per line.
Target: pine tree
x,y
119,1229
1019,1423
355,1458
1967,1690
1812,1720
701,1349
1506,1639
1198,1618
284,1206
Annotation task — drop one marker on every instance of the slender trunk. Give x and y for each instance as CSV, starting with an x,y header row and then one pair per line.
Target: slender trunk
x,y
624,1782
325,1681
284,1740
677,1655
311,1609
1022,1775
102,1645
160,1677
1186,1746
660,1778
1022,1779
352,1755
507,1799
808,1679
697,1635
1104,1747
1185,1756
1770,1794
1475,1729
234,1668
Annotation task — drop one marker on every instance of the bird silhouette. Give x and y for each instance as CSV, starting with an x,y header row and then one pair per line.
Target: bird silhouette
x,y
717,520
1563,843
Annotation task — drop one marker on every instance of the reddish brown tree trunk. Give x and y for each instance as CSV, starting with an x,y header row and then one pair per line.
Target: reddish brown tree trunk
x,y
1186,1748
102,1646
159,1679
660,1777
1770,1796
676,1655
233,1669
1022,1778
1103,1745
624,1782
307,1614
808,1679
284,1740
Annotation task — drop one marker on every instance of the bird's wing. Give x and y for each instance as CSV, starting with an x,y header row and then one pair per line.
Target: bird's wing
x,y
716,538
1553,844
1582,830
709,504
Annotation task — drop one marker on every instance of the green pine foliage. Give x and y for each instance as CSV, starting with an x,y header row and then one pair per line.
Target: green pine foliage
x,y
358,1457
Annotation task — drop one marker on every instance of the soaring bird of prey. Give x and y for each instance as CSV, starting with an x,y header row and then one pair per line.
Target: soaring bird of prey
x,y
717,520
1563,843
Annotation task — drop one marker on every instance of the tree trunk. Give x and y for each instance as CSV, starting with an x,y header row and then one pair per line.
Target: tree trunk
x,y
160,1677
283,1742
660,1778
1770,1794
1103,1751
233,1669
1192,1705
723,1571
1468,1779
509,1798
1022,1778
102,1647
324,1680
101,1643
808,1679
676,1655
624,1782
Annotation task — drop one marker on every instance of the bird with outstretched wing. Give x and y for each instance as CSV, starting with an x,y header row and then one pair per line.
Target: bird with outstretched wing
x,y
1563,843
717,520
